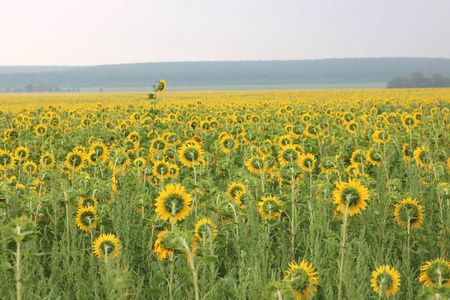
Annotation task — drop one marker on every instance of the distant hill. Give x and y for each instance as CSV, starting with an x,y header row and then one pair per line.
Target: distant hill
x,y
224,73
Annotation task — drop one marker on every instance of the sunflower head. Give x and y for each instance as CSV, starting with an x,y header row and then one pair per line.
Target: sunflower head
x,y
107,246
408,210
385,280
302,279
351,194
173,203
436,272
205,230
270,207
86,218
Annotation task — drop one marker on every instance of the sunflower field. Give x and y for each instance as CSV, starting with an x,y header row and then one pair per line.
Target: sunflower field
x,y
226,195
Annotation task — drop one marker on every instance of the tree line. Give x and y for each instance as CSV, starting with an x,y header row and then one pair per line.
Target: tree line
x,y
418,80
42,88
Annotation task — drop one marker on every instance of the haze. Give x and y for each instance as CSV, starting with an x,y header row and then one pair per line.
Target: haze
x,y
95,32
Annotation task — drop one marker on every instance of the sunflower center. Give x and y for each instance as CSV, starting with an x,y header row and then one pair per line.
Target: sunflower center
x,y
350,196
5,159
174,202
107,247
191,154
228,143
87,218
299,279
159,145
162,169
257,163
384,281
409,211
438,273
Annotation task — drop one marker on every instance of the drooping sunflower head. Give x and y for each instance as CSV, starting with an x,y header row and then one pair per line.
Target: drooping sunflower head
x,y
191,154
173,203
270,207
255,165
302,279
162,85
228,144
291,171
422,157
311,131
29,167
288,154
205,230
234,188
352,126
86,218
6,160
161,169
436,272
159,248
75,160
351,194
408,210
385,280
374,157
107,246
21,153
358,158
47,160
307,162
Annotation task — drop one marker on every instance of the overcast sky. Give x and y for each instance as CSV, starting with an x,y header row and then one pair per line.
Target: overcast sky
x,y
93,32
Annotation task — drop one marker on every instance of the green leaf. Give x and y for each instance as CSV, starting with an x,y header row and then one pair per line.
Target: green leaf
x,y
185,270
159,278
208,258
4,265
152,291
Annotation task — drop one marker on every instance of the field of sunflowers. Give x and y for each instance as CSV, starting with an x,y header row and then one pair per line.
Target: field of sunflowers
x,y
226,195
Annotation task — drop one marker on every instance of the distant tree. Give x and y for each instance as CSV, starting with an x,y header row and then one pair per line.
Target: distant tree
x,y
418,80
28,88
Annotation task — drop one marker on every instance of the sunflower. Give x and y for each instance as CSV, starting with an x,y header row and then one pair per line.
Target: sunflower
x,y
311,131
307,162
374,157
436,272
174,170
161,169
288,154
159,248
352,126
302,279
234,188
408,209
47,160
385,280
409,122
75,160
6,160
350,193
158,145
381,136
205,230
173,203
40,130
422,157
162,85
139,162
358,158
86,218
21,153
29,167
228,144
270,207
191,154
107,246
92,158
255,165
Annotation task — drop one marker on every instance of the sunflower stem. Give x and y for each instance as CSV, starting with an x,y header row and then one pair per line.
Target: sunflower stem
x,y
192,266
343,238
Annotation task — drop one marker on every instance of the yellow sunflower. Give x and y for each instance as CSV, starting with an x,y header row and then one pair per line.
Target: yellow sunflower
x,y
161,169
47,160
173,203
436,272
228,144
422,157
307,162
6,160
234,188
385,280
40,130
288,154
29,167
87,201
107,246
270,207
302,279
21,153
159,248
162,85
75,160
350,193
255,165
86,218
358,158
191,154
408,209
374,157
205,230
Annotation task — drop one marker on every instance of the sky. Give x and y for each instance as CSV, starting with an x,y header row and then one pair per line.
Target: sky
x,y
98,32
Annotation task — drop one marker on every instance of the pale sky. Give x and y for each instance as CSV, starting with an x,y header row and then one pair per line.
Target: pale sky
x,y
94,32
